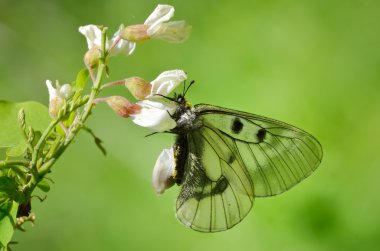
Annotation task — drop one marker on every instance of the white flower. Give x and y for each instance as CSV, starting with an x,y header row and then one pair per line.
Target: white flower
x,y
155,115
163,171
166,82
57,96
159,28
60,91
93,36
51,89
123,46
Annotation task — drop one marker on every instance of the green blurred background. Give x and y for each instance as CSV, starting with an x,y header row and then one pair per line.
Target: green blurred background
x,y
315,64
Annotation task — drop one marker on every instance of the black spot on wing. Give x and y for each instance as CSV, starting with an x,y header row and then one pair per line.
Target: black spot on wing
x,y
231,159
236,126
261,135
220,186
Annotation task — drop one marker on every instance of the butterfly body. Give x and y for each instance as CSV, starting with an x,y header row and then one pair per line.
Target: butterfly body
x,y
225,158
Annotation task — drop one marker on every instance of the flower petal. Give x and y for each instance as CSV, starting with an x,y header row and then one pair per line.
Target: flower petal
x,y
166,82
173,32
163,171
123,46
155,115
161,14
93,35
52,91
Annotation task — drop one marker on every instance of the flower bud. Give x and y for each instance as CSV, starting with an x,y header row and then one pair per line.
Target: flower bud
x,y
56,101
55,106
135,33
138,87
91,58
65,91
122,106
163,171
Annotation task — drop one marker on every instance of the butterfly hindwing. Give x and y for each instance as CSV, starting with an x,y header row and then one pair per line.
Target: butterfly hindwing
x,y
216,192
234,157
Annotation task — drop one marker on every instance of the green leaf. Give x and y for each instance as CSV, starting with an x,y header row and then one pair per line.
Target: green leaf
x,y
7,186
36,116
16,151
8,211
97,140
44,185
80,83
82,78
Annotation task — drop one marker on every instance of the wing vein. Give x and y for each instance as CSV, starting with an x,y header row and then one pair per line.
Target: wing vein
x,y
291,154
272,164
260,169
282,158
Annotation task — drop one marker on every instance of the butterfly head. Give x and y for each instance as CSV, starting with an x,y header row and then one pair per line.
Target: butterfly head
x,y
181,101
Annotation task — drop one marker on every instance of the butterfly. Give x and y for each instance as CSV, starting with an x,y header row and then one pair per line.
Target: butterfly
x,y
225,158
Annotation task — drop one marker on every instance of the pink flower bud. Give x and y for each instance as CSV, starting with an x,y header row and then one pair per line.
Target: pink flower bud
x,y
122,106
138,87
135,33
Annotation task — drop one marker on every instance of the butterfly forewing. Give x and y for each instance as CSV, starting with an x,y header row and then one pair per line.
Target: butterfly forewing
x,y
275,154
234,157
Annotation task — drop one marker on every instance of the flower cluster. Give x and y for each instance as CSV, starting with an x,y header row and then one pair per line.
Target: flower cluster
x,y
150,110
156,26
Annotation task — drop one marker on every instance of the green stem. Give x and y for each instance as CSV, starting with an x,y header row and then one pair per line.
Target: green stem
x,y
14,163
40,172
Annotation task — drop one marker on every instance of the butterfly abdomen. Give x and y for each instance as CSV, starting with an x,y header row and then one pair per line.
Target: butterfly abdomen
x,y
180,156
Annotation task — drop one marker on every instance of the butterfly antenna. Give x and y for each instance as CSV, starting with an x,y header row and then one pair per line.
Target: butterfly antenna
x,y
169,98
191,83
150,134
153,133
184,88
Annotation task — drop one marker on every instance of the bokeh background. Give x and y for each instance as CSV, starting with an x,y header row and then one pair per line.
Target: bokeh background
x,y
315,64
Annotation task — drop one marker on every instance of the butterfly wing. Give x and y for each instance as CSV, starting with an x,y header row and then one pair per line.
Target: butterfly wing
x,y
236,156
217,191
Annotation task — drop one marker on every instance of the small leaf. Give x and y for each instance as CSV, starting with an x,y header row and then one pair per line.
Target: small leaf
x,y
82,78
97,140
8,211
98,143
7,186
16,151
44,185
80,83
18,173
36,116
